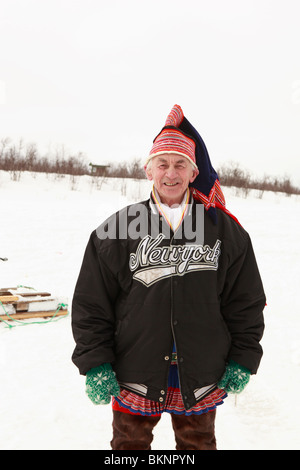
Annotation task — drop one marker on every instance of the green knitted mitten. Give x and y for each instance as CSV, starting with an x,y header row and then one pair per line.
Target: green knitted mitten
x,y
235,378
101,383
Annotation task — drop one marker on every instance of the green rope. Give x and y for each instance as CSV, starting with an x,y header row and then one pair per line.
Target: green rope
x,y
21,323
25,287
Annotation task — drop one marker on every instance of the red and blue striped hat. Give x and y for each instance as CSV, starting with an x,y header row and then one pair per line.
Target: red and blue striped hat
x,y
172,140
180,137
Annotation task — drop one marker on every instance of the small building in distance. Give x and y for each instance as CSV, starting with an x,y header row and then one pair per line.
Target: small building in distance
x,y
99,170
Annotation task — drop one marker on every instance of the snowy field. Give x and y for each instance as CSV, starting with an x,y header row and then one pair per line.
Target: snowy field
x,y
45,225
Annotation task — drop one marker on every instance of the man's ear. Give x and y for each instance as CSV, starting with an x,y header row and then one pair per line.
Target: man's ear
x,y
148,173
194,176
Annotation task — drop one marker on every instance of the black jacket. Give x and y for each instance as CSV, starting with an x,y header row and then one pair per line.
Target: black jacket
x,y
135,296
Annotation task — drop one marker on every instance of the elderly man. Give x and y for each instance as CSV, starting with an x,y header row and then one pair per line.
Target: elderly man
x,y
167,310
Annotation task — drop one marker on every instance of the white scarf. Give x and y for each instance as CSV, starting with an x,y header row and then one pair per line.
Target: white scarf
x,y
174,214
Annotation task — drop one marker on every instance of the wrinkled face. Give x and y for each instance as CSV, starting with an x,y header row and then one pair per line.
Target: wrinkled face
x,y
171,175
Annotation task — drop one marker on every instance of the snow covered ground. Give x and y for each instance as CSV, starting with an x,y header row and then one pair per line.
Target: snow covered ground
x,y
45,224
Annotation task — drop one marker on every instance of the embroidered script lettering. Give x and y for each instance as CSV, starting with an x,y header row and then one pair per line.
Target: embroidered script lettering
x,y
152,262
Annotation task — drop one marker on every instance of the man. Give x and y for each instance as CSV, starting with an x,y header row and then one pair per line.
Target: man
x,y
167,310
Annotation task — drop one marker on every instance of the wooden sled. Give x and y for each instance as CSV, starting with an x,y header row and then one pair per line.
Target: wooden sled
x,y
22,302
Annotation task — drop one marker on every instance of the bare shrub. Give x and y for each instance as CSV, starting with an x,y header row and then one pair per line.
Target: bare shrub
x,y
232,175
131,169
27,158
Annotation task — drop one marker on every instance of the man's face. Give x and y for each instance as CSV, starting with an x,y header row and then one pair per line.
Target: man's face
x,y
171,175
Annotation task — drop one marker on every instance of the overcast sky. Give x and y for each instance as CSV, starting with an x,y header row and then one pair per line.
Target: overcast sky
x,y
100,77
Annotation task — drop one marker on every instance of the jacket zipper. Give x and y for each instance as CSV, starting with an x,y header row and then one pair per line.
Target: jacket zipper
x,y
172,326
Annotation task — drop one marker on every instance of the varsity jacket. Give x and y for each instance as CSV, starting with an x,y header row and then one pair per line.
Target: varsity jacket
x,y
142,288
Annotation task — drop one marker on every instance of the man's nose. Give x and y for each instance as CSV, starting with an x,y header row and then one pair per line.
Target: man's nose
x,y
171,172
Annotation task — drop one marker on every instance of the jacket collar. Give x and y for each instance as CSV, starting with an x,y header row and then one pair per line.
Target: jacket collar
x,y
160,209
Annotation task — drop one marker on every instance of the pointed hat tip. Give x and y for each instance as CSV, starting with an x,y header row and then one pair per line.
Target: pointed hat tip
x,y
175,117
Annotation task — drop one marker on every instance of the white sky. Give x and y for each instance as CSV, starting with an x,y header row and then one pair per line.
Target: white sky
x,y
101,76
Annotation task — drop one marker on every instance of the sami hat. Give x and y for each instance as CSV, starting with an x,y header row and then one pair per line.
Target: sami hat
x,y
179,136
172,140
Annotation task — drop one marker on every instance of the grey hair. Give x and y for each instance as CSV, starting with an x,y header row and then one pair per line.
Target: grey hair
x,y
148,165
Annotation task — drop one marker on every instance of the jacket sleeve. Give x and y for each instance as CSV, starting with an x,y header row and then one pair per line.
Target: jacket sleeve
x,y
93,310
242,304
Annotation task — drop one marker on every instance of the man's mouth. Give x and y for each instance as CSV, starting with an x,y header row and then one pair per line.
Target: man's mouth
x,y
170,184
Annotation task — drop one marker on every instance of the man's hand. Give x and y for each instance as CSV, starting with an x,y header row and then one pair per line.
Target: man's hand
x,y
101,384
235,378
